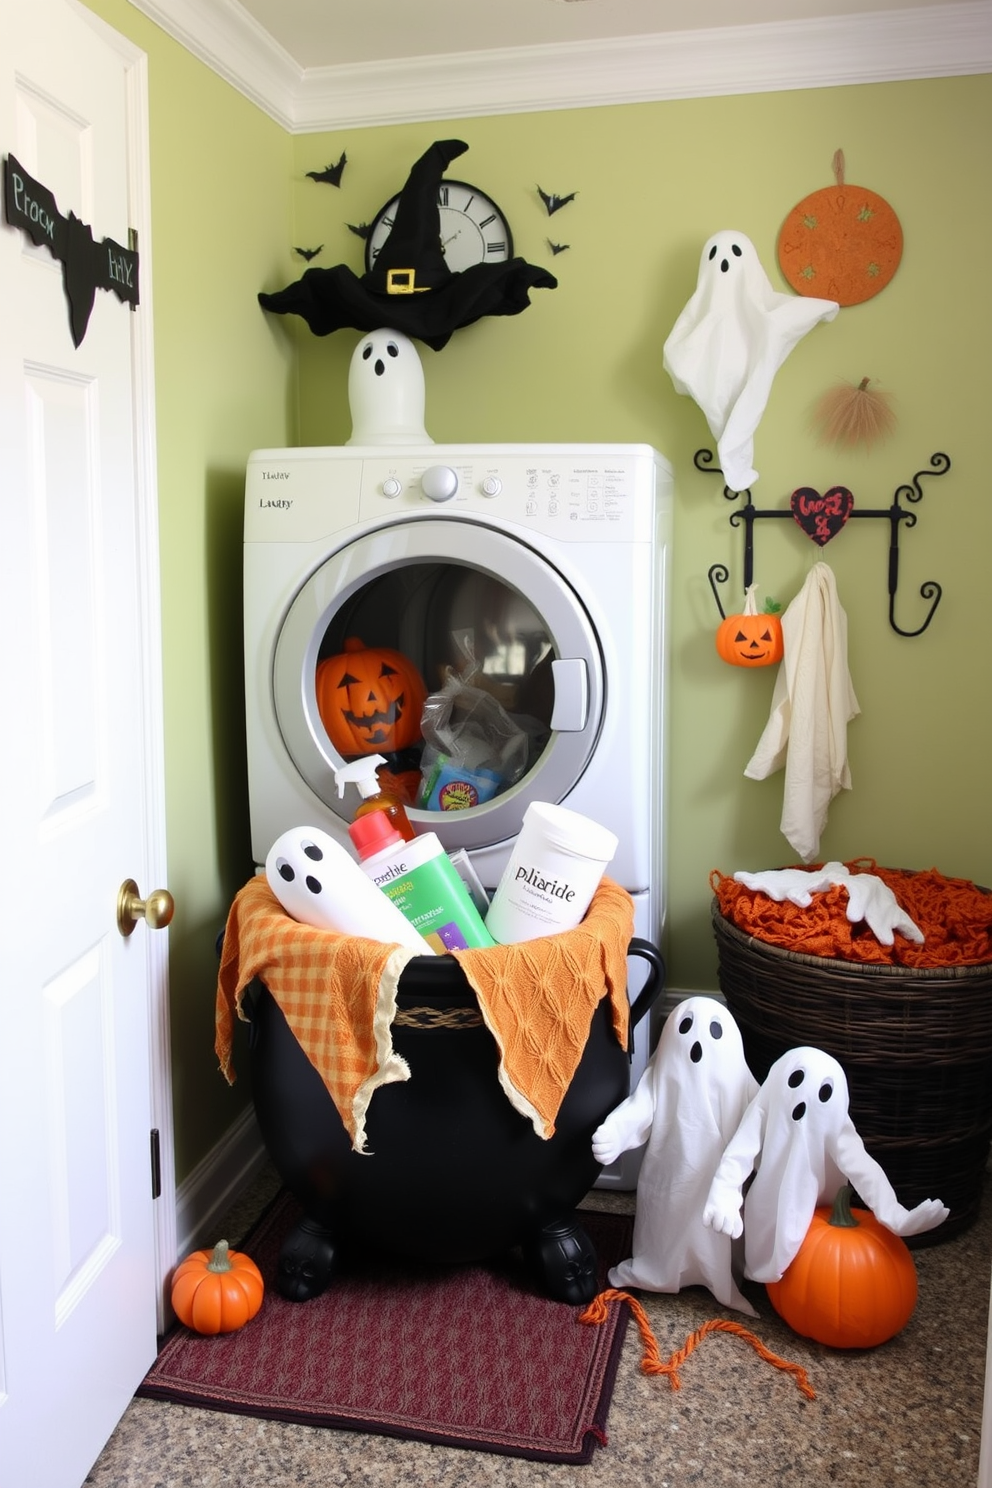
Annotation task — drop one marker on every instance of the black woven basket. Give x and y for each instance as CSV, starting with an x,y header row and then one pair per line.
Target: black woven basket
x,y
916,1046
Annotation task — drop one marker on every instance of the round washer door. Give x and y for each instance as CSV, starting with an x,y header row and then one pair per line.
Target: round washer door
x,y
381,577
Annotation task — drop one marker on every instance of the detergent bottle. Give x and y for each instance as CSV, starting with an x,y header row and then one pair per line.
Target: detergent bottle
x,y
422,882
362,772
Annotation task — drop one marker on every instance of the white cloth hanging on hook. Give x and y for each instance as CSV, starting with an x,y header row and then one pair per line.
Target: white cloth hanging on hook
x,y
812,703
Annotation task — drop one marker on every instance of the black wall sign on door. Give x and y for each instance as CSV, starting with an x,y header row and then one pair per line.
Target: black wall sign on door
x,y
86,264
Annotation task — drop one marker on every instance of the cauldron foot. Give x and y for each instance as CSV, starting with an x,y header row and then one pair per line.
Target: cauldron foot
x,y
562,1256
306,1261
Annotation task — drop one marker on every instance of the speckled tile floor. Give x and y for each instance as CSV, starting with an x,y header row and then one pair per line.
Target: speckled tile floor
x,y
907,1413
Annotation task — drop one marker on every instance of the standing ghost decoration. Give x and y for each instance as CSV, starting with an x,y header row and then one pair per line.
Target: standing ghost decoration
x,y
730,340
386,391
798,1134
686,1106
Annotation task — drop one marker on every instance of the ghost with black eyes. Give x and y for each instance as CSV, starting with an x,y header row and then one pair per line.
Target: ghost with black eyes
x,y
798,1138
730,340
386,392
685,1106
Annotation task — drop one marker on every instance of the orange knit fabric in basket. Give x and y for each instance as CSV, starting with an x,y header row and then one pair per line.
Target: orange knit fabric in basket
x,y
954,915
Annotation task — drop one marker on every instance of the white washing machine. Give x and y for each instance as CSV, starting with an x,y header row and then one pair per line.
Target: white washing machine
x,y
548,565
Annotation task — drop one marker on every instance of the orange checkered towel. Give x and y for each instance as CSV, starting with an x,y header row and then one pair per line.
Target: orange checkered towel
x,y
537,999
338,994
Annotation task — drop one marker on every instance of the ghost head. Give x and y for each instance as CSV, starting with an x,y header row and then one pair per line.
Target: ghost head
x,y
730,340
386,391
701,1054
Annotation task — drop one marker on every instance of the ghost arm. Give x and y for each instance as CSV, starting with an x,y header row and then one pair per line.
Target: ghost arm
x,y
722,1210
868,1177
628,1125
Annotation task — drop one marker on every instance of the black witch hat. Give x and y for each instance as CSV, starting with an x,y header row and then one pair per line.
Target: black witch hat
x,y
331,299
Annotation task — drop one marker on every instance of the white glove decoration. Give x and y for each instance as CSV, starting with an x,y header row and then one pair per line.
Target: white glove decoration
x,y
869,1178
798,885
869,899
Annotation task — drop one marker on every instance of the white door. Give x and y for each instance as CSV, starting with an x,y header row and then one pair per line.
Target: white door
x,y
80,795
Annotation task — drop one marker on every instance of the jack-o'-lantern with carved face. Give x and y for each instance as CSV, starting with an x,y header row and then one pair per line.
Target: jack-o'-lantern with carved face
x,y
370,699
751,639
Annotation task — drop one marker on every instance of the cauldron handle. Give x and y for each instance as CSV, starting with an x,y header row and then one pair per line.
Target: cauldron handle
x,y
652,988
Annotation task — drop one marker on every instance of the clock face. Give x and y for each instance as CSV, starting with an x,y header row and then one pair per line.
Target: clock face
x,y
473,229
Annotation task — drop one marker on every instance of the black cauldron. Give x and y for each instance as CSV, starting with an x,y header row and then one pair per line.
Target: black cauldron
x,y
453,1173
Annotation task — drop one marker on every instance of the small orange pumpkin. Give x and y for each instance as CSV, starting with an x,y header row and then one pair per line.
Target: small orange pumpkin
x,y
751,639
840,243
852,1283
217,1291
370,699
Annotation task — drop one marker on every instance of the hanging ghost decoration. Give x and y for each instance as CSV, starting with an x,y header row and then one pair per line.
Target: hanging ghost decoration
x,y
730,340
797,1132
386,391
686,1106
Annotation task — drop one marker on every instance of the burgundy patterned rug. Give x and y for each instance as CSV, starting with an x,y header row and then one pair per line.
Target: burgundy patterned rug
x,y
467,1356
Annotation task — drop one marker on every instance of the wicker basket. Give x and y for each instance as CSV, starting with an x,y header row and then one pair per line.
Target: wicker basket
x,y
916,1047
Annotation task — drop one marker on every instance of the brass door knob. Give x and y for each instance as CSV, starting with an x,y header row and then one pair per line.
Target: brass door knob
x,y
156,911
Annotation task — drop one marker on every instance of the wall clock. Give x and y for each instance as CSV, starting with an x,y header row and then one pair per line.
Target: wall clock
x,y
473,228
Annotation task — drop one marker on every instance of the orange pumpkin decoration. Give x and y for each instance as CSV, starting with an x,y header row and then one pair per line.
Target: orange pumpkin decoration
x,y
841,243
370,699
751,639
852,1283
217,1291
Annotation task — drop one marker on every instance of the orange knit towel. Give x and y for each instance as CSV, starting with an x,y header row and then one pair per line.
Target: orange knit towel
x,y
537,999
338,994
652,1362
954,915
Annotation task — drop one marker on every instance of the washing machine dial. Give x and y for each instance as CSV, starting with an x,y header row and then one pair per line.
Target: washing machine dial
x,y
439,482
492,485
391,487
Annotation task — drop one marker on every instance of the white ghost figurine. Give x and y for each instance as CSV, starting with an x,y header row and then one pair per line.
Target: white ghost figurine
x,y
730,340
686,1106
386,391
799,1135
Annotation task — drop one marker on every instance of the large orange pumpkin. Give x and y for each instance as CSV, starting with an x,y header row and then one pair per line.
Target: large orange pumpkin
x,y
841,243
217,1291
852,1283
370,699
750,639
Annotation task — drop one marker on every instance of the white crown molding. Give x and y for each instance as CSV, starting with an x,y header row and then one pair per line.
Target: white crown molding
x,y
943,40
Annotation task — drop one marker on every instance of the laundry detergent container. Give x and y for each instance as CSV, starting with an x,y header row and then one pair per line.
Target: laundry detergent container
x,y
452,1171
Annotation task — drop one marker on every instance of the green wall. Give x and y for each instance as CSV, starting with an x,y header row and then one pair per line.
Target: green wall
x,y
230,198
584,362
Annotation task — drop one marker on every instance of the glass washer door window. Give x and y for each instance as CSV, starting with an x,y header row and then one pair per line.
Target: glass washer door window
x,y
451,595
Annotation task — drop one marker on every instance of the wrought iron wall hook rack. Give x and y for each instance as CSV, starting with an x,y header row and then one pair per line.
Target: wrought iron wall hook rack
x,y
896,515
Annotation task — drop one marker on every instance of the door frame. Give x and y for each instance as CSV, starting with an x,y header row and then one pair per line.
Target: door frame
x,y
148,578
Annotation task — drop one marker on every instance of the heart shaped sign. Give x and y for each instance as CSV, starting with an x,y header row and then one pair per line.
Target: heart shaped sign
x,y
821,517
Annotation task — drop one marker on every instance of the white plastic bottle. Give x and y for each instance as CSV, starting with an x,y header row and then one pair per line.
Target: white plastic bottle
x,y
553,872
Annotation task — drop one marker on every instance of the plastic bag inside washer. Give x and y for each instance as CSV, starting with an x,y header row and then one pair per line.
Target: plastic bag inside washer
x,y
472,748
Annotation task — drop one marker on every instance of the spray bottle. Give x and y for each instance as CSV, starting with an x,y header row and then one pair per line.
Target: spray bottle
x,y
362,772
421,880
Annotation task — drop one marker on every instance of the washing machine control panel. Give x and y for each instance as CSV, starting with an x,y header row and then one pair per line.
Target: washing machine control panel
x,y
591,498
571,493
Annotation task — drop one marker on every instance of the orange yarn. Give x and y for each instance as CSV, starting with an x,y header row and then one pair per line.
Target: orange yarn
x,y
652,1362
954,915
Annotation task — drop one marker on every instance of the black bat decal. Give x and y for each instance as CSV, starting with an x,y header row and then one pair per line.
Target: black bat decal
x,y
555,203
308,253
361,231
557,248
86,264
331,173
